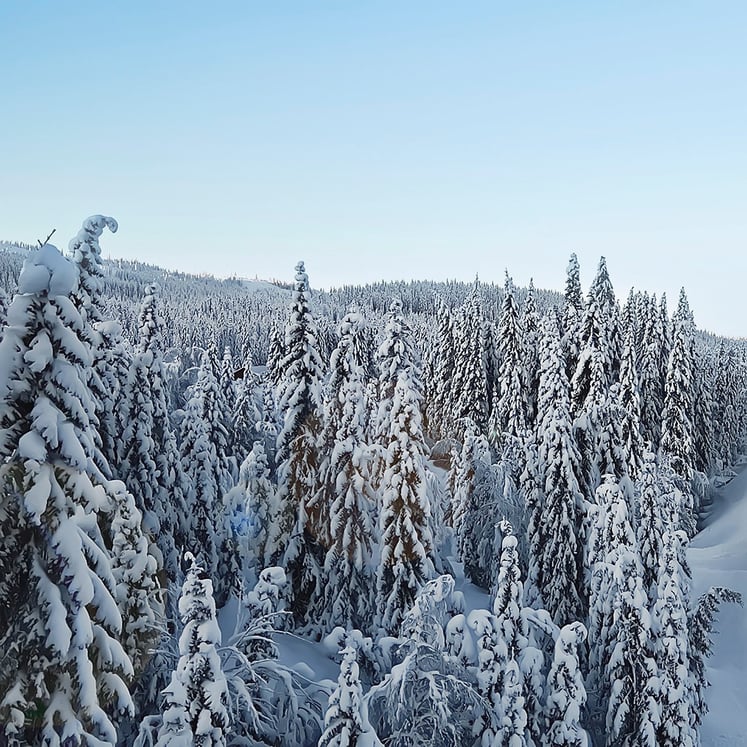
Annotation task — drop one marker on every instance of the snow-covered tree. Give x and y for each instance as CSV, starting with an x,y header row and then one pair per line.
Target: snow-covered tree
x,y
672,648
60,625
511,410
196,702
469,385
249,509
566,694
301,537
348,563
148,456
406,538
346,720
556,553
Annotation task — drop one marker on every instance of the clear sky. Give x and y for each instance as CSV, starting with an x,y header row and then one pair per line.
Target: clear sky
x,y
388,139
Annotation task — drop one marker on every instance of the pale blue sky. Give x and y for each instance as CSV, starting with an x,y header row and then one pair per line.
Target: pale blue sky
x,y
388,139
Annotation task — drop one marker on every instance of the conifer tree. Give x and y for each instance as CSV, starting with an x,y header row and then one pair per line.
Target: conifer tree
x,y
469,386
556,555
301,539
672,648
346,721
521,684
612,542
148,456
633,707
566,694
197,698
406,538
532,333
630,403
651,523
60,622
651,381
440,405
201,466
250,509
348,562
510,415
85,252
676,432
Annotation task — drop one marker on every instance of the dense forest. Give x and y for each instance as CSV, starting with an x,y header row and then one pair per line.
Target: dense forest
x,y
194,472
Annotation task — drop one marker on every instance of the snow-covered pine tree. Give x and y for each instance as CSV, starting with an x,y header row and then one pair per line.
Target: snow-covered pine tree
x,y
395,355
148,455
651,522
440,405
678,684
406,537
474,507
348,563
64,673
85,252
301,538
521,684
633,710
651,382
676,430
566,694
573,309
250,508
469,386
556,553
630,402
492,661
601,289
343,369
346,720
112,364
532,333
196,703
199,461
247,411
611,541
511,411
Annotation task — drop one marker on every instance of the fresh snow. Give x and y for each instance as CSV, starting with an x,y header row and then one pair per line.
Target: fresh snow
x,y
718,557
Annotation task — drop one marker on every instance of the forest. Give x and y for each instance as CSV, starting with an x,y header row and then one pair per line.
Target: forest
x,y
197,474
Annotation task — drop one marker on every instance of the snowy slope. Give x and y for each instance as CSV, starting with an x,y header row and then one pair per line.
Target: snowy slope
x,y
718,557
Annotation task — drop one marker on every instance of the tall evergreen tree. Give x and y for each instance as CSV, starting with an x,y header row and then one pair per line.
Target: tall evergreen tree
x,y
511,411
566,694
60,623
301,538
197,700
348,562
406,538
148,456
558,548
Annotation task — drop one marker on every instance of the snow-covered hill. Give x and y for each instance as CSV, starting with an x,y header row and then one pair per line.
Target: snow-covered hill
x,y
718,557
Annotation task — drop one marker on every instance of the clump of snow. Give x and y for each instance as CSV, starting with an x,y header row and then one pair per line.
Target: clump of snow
x,y
48,271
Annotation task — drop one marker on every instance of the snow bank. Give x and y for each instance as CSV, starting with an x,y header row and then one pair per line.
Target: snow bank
x,y
718,557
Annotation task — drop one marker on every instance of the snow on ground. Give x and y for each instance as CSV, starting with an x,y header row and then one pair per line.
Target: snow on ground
x,y
718,557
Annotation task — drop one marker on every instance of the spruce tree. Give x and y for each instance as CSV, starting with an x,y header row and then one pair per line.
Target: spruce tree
x,y
301,537
511,411
348,562
60,622
566,694
556,554
346,720
197,703
406,538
